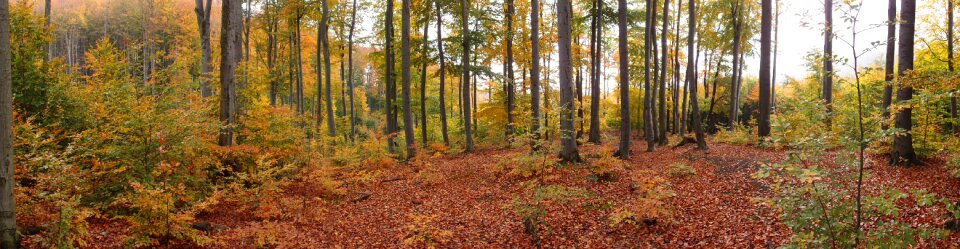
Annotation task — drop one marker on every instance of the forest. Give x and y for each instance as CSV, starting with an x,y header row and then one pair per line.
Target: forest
x,y
479,124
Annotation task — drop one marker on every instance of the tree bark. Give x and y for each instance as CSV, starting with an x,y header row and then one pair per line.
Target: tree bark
x,y
325,40
392,124
950,66
828,59
568,134
405,60
206,67
903,152
624,151
423,82
465,62
662,139
734,86
511,85
8,221
443,106
889,65
230,56
692,77
776,51
648,90
535,71
353,109
595,75
766,19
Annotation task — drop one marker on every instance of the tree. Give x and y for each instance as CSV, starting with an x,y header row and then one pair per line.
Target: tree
x,y
889,62
692,76
353,109
509,69
423,78
662,139
405,61
828,58
443,106
48,23
465,62
595,74
8,221
648,115
734,84
535,71
950,66
325,41
624,151
568,136
766,20
392,124
229,59
903,151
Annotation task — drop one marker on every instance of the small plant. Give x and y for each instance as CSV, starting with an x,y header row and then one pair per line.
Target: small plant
x,y
531,207
421,230
650,206
680,170
604,168
531,165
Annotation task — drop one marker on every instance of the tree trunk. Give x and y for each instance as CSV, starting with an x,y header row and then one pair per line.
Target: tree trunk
x,y
734,84
392,124
890,59
595,76
950,66
423,82
206,67
8,221
47,24
568,134
511,85
648,92
692,77
776,51
663,74
766,19
353,109
443,106
405,60
677,121
535,72
828,59
230,57
903,152
324,26
624,151
465,62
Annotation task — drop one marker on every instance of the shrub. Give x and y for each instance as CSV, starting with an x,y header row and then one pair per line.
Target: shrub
x,y
680,170
649,206
421,230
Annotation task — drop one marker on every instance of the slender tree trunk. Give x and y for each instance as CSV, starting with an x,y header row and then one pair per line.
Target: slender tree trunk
x,y
299,69
648,92
766,19
465,61
776,51
692,77
889,65
325,39
567,130
423,82
8,221
48,23
950,66
663,74
624,151
350,78
734,85
535,71
230,57
595,75
903,152
392,124
677,127
828,59
203,21
405,60
511,84
443,106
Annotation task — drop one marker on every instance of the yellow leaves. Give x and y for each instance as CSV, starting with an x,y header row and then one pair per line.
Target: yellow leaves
x,y
421,230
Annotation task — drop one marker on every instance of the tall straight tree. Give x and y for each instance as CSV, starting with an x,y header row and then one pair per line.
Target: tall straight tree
x,y
950,66
350,78
423,79
662,139
568,135
595,74
465,62
47,23
443,105
648,41
889,65
903,151
391,98
325,41
405,67
734,86
8,221
692,76
535,70
828,58
511,88
206,51
766,20
624,151
232,20
776,51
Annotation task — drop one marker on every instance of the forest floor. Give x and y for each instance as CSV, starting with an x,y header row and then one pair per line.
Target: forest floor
x,y
469,202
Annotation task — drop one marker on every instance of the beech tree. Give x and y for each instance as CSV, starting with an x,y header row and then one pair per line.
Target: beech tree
x,y
443,105
828,58
325,41
692,76
465,65
391,88
350,78
903,152
535,72
889,61
509,69
405,61
568,136
8,221
766,20
230,49
624,151
595,73
950,66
